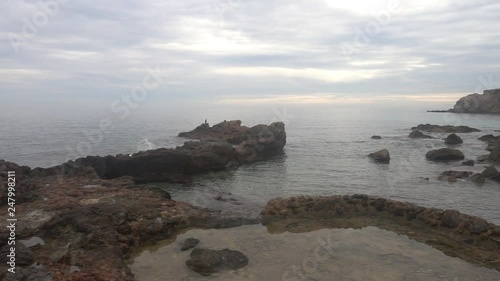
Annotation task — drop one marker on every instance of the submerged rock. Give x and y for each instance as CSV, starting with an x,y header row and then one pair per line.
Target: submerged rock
x,y
453,139
445,154
468,163
381,156
491,173
376,137
189,244
416,134
452,176
206,262
445,129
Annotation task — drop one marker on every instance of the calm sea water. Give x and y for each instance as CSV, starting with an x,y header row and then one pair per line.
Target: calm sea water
x,y
326,152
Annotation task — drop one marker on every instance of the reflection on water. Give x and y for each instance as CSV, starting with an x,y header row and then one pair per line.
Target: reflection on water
x,y
324,254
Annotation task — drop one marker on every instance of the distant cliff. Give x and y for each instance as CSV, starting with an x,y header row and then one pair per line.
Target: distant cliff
x,y
488,102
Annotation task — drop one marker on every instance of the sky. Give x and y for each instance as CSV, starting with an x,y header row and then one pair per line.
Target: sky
x,y
75,52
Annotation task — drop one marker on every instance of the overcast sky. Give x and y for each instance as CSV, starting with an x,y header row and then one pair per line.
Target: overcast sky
x,y
233,51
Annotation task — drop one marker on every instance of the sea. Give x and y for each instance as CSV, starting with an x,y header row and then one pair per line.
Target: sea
x,y
326,152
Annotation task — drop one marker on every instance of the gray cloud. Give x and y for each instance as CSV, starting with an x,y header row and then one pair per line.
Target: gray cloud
x,y
219,48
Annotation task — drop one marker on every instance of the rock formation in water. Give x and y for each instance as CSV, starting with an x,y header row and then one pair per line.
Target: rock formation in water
x,y
256,143
494,148
453,139
206,261
452,176
416,134
381,156
445,129
445,154
488,102
468,237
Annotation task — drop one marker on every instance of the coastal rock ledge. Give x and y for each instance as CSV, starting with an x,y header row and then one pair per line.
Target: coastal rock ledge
x,y
470,238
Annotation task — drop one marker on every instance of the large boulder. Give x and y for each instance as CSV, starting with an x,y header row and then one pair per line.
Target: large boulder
x,y
381,156
416,134
445,154
445,129
488,102
453,139
206,262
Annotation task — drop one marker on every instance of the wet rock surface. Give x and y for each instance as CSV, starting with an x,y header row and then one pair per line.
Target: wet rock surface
x,y
494,148
453,139
93,229
206,262
189,244
174,165
445,230
452,176
445,129
381,156
445,154
417,134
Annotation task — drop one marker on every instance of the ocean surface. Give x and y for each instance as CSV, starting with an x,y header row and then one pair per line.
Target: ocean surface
x,y
326,152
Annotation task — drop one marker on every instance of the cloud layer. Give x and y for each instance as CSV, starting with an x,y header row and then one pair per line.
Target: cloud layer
x,y
230,50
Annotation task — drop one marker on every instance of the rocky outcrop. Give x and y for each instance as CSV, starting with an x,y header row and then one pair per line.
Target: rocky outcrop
x,y
174,165
234,133
453,139
468,163
445,129
493,146
206,261
416,134
381,156
468,237
445,154
84,220
488,103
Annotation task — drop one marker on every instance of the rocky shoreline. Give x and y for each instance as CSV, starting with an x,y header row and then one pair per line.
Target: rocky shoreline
x,y
486,103
92,215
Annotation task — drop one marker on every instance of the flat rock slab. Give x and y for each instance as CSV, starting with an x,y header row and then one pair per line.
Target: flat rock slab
x,y
206,261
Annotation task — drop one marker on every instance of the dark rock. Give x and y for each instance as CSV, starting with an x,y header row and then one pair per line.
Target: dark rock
x,y
478,178
376,137
445,154
490,172
488,102
451,218
476,225
379,204
453,175
189,244
416,134
193,157
381,156
468,163
206,262
453,139
445,129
